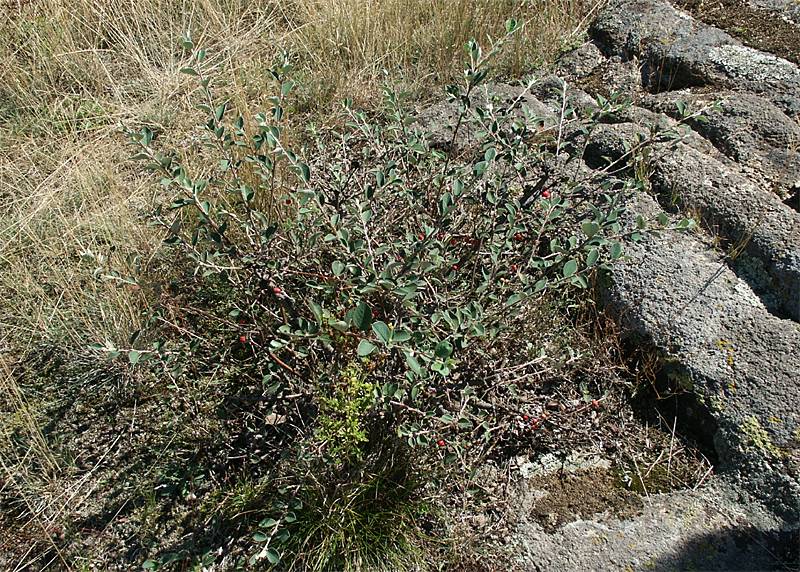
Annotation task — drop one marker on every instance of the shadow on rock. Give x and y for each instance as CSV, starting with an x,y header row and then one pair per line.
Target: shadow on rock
x,y
736,549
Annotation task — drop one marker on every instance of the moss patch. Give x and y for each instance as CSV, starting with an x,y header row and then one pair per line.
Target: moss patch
x,y
581,495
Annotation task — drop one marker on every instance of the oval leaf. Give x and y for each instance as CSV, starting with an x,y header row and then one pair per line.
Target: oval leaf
x,y
382,331
570,268
365,347
362,317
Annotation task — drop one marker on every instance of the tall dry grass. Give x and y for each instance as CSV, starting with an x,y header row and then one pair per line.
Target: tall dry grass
x,y
72,70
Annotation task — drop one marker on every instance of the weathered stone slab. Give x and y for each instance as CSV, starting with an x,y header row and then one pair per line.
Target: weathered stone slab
x,y
677,52
754,220
708,529
747,128
722,344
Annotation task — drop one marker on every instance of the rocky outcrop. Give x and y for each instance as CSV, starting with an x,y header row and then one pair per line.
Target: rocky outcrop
x,y
727,325
677,52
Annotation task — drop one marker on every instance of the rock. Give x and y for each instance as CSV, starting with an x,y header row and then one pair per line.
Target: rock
x,y
678,52
587,68
708,529
752,219
692,176
438,121
722,344
747,128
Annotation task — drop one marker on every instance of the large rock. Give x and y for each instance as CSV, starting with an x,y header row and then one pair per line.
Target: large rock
x,y
747,128
721,344
708,529
690,174
752,219
677,51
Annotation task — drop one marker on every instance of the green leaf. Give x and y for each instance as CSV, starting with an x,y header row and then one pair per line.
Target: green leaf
x,y
444,349
272,556
190,71
268,523
134,357
382,331
401,336
337,267
413,363
590,228
513,299
570,268
365,347
220,111
616,250
579,281
305,172
592,257
362,317
260,537
150,565
316,309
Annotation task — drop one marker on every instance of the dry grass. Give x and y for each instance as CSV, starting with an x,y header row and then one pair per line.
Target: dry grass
x,y
71,70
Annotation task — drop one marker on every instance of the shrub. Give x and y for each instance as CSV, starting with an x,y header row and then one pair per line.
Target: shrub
x,y
378,287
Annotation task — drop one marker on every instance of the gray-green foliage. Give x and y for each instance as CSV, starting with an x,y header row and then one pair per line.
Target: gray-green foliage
x,y
371,253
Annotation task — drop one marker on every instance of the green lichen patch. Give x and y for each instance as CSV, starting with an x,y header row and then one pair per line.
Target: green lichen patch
x,y
758,438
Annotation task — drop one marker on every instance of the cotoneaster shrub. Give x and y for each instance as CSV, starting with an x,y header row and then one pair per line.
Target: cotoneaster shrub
x,y
374,285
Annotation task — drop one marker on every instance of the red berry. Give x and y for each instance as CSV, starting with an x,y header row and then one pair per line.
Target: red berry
x,y
441,442
453,242
525,417
243,339
546,194
595,404
421,236
519,237
513,268
277,290
455,266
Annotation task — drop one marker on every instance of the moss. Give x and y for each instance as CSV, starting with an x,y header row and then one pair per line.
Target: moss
x,y
343,408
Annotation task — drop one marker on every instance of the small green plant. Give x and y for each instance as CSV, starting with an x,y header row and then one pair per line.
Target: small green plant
x,y
373,284
343,406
